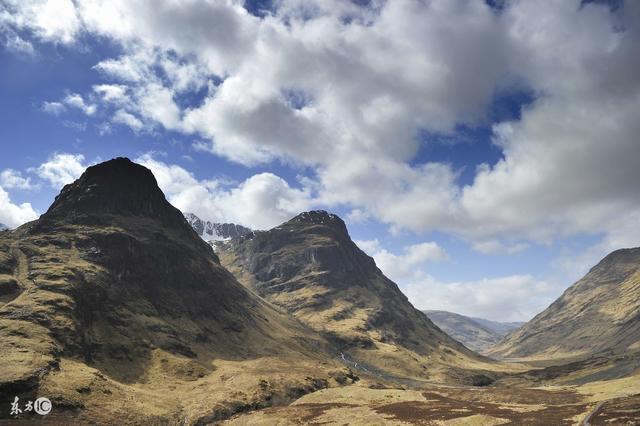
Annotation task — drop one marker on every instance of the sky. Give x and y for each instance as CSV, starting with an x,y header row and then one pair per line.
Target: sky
x,y
486,154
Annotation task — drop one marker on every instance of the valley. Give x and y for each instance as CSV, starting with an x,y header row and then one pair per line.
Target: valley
x,y
116,309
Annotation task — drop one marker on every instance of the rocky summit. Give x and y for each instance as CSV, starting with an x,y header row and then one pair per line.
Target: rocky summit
x,y
113,307
310,267
599,314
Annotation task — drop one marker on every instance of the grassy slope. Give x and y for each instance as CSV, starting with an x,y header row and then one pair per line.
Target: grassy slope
x,y
597,314
310,267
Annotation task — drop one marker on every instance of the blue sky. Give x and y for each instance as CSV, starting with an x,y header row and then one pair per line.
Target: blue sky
x,y
484,166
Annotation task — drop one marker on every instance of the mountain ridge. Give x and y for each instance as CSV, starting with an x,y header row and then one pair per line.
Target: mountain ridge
x,y
469,331
215,230
310,267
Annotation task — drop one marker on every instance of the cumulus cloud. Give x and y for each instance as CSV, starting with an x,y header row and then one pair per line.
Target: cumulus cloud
x,y
12,214
76,101
409,264
346,89
111,92
53,108
13,179
50,20
61,169
17,44
498,247
262,201
511,298
128,119
72,100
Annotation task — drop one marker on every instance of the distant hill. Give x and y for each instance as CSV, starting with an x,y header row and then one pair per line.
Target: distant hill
x,y
310,267
3,227
501,328
600,312
475,333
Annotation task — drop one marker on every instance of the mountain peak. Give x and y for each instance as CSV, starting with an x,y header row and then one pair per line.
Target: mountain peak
x,y
114,187
319,217
316,216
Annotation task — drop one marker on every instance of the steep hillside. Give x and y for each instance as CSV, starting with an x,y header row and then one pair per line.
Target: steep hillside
x,y
600,312
114,308
311,267
466,330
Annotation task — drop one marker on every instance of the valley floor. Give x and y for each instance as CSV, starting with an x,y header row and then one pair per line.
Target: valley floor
x,y
368,402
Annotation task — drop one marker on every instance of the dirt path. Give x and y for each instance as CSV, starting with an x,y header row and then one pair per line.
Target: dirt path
x,y
21,273
21,280
586,420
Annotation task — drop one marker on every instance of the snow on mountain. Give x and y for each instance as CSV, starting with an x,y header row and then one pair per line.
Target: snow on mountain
x,y
213,231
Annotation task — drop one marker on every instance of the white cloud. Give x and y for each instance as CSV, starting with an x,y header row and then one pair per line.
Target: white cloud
x,y
14,215
17,44
260,202
49,20
61,169
54,108
358,216
498,247
157,104
128,119
570,266
13,179
76,101
369,246
115,93
72,100
409,264
511,298
368,79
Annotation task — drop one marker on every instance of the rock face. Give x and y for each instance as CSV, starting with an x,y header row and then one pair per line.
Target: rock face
x,y
111,296
470,331
212,231
311,267
600,312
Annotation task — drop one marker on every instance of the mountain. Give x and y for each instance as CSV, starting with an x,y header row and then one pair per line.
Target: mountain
x,y
114,308
600,312
3,227
501,328
215,231
472,332
310,267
